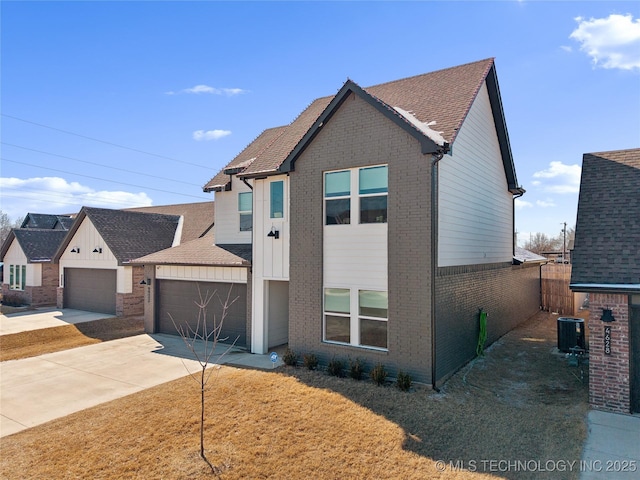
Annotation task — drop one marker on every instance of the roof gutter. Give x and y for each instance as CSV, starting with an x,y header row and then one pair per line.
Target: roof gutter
x,y
436,157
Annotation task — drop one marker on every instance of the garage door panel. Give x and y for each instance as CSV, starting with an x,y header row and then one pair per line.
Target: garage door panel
x,y
90,289
179,300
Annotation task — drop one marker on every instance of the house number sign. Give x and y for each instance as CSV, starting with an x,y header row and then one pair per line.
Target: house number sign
x,y
607,340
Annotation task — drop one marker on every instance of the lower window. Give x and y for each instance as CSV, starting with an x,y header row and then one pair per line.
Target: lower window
x,y
356,317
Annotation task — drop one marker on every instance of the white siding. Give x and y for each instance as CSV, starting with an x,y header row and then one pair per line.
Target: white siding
x,y
201,274
355,256
475,208
227,218
270,256
87,239
16,256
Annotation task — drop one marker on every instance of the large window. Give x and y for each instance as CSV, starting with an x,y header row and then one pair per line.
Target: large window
x,y
245,209
277,199
371,183
368,324
337,194
17,277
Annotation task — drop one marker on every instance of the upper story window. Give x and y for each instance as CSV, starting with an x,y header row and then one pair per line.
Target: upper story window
x,y
370,204
17,277
373,183
337,194
277,199
245,209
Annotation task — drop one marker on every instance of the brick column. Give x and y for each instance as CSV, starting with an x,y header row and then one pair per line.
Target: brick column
x,y
609,375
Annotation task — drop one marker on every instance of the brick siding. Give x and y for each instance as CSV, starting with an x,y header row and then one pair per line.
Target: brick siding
x,y
358,136
132,304
509,295
609,375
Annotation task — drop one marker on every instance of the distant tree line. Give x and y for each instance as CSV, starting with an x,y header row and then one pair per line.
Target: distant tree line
x,y
541,242
6,224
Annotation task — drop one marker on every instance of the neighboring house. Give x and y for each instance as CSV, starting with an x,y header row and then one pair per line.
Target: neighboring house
x,y
606,265
381,221
96,272
28,253
197,218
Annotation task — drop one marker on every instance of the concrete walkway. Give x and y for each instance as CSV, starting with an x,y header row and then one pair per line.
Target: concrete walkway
x,y
44,318
612,450
39,389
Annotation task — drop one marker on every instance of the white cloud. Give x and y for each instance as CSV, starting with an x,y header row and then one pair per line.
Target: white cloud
x,y
57,195
612,42
566,48
198,89
523,203
545,203
559,178
201,135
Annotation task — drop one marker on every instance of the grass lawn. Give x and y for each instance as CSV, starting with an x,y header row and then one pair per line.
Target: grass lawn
x,y
519,402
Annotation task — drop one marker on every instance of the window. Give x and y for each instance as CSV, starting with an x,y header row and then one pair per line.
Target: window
x,y
337,194
337,318
369,323
373,184
372,315
17,277
277,199
245,208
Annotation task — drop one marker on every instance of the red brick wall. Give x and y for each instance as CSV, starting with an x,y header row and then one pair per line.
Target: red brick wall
x,y
609,375
45,294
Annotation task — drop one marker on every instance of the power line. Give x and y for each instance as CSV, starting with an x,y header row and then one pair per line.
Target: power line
x,y
98,164
104,141
59,197
101,179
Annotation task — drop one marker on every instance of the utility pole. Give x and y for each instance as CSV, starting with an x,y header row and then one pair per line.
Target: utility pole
x,y
564,243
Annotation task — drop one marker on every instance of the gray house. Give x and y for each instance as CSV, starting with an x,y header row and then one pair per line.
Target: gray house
x,y
381,223
606,265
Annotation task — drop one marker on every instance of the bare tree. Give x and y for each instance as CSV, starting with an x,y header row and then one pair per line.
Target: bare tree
x,y
202,340
540,243
6,224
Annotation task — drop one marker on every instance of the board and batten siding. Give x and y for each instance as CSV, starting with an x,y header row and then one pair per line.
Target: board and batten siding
x,y
475,207
227,218
16,256
270,257
201,274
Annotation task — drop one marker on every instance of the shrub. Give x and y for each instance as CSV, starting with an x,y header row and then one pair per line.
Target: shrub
x,y
336,368
378,374
310,361
290,357
403,382
356,368
12,299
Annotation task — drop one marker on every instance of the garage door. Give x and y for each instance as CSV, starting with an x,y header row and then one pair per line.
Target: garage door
x,y
178,298
90,289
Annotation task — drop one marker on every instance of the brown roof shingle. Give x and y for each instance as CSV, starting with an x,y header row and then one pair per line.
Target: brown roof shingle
x,y
608,222
198,217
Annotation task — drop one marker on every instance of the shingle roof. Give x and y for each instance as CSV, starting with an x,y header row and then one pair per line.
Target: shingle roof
x,y
443,97
201,251
198,217
244,158
608,223
522,256
128,234
38,244
46,221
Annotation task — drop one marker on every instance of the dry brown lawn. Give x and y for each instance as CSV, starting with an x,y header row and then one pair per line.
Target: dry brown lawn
x,y
519,402
55,339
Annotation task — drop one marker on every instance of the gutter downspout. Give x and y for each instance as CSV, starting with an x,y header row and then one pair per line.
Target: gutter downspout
x,y
436,157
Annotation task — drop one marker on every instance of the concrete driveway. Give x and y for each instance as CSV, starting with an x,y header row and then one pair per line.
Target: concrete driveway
x,y
39,389
44,318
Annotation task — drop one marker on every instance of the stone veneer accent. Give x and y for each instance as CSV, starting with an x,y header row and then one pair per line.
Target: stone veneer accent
x,y
609,375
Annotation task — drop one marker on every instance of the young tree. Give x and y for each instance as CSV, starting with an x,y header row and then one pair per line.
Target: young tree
x,y
201,340
540,242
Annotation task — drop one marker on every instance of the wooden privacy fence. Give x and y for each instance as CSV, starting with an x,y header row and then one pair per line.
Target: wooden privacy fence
x,y
556,296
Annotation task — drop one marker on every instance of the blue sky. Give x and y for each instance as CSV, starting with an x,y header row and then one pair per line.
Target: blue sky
x,y
185,86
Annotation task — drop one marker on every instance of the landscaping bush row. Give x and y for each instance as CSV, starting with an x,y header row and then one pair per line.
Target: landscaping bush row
x,y
355,368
